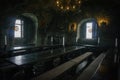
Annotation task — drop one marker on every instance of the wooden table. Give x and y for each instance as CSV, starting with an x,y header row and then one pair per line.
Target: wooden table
x,y
40,56
14,51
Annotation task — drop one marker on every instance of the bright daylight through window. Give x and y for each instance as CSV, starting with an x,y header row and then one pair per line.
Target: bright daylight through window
x,y
18,29
89,27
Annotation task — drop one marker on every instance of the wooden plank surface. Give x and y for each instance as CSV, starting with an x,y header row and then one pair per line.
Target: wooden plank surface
x,y
92,68
62,68
82,57
55,72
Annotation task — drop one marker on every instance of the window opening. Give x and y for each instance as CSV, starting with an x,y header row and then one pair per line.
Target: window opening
x,y
18,33
89,32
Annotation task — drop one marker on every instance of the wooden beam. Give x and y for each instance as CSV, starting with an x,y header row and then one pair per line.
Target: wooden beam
x,y
62,68
92,68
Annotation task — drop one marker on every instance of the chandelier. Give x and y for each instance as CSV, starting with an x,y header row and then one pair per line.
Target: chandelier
x,y
68,5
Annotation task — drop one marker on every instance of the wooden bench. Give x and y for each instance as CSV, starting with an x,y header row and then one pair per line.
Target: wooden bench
x,y
92,68
50,75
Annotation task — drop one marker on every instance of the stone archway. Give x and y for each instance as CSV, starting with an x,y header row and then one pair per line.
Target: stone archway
x,y
35,20
81,26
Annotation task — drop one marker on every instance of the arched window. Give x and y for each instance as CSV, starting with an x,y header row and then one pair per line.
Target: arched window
x,y
89,31
18,32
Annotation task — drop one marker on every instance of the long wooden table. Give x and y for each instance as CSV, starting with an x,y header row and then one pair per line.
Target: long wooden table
x,y
14,51
41,56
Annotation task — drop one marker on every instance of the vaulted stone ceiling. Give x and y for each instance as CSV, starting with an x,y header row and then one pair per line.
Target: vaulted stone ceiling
x,y
39,6
47,7
45,4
